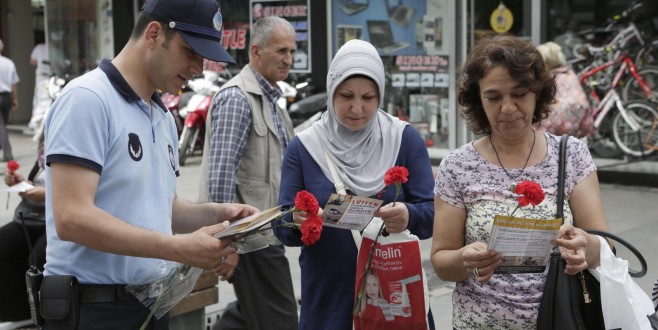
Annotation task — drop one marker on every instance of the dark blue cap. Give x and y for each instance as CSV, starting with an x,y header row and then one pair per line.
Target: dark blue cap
x,y
198,21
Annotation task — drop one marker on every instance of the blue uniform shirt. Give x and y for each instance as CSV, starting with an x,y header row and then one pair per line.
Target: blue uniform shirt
x,y
99,122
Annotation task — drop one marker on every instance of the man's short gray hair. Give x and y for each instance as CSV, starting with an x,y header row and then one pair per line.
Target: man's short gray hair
x,y
2,46
262,31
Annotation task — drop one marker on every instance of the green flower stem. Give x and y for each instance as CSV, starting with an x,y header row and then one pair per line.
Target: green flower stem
x,y
148,318
359,296
397,192
168,287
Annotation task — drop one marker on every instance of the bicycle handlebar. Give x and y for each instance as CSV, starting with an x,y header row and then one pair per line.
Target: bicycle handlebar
x,y
612,21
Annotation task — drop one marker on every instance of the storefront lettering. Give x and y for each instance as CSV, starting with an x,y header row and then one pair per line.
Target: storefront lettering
x,y
424,60
234,39
422,63
286,11
209,65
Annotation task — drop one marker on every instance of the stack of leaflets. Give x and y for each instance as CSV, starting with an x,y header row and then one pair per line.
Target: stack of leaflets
x,y
251,223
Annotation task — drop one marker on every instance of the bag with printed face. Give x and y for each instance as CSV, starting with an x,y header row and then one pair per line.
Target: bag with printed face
x,y
395,294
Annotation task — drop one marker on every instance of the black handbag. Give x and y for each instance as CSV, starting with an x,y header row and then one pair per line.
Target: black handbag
x,y
573,302
569,302
34,214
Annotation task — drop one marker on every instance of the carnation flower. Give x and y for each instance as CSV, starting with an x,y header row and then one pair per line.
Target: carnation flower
x,y
397,175
530,193
306,202
311,228
12,166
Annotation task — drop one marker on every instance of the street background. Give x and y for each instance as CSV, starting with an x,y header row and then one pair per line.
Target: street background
x,y
631,210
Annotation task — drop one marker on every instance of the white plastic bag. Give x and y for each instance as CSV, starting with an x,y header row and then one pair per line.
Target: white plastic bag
x,y
625,305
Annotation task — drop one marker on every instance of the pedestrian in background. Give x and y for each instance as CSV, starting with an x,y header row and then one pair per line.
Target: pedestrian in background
x,y
571,113
505,91
8,100
40,100
247,134
111,204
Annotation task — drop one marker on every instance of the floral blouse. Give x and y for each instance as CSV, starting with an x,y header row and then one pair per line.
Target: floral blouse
x,y
467,180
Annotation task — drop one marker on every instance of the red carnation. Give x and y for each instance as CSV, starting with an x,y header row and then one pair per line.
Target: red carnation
x,y
397,175
12,166
311,230
305,201
531,193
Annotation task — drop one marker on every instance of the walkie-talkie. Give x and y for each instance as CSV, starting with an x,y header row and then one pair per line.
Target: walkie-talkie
x,y
33,278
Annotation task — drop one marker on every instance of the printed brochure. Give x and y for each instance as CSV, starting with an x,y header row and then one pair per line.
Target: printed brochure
x,y
524,243
350,212
250,223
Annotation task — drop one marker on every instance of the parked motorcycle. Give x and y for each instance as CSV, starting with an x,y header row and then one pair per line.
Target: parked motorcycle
x,y
298,88
195,113
306,111
174,102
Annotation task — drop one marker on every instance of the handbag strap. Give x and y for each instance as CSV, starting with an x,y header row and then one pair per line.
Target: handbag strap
x,y
630,247
561,177
340,188
338,184
560,213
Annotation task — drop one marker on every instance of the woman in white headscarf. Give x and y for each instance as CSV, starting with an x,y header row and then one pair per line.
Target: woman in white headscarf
x,y
363,142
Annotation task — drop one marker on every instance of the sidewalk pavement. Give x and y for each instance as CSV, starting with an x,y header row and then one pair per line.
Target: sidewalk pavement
x,y
630,209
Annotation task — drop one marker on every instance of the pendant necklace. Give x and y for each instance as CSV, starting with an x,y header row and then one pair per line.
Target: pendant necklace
x,y
526,161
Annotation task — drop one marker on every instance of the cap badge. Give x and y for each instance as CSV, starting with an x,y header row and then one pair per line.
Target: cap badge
x,y
217,21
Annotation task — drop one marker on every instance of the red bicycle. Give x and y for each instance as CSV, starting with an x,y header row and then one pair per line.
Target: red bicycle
x,y
632,121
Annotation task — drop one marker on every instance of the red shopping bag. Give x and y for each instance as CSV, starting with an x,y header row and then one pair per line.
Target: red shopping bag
x,y
395,294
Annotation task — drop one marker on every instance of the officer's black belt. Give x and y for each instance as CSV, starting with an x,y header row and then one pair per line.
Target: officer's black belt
x,y
101,293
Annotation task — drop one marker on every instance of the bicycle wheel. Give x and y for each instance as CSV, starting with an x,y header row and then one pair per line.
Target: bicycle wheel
x,y
633,91
647,55
631,142
602,143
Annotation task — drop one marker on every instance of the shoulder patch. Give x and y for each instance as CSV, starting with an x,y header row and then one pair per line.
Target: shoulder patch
x,y
172,160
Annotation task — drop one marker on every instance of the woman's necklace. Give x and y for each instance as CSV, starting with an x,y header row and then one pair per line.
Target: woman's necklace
x,y
534,138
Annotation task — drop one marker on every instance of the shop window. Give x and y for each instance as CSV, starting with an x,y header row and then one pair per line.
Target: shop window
x,y
413,39
80,34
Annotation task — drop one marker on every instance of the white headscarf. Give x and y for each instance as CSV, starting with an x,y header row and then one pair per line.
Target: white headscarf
x,y
361,157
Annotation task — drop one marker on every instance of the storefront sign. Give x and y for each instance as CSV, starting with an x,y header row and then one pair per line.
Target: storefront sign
x,y
431,63
501,19
234,38
297,13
